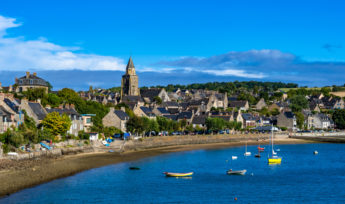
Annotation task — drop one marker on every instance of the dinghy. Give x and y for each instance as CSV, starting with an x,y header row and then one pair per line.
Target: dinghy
x,y
238,172
171,174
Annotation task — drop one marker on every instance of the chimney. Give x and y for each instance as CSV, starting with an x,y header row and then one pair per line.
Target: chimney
x,y
27,75
48,107
35,74
60,106
39,101
16,80
72,106
0,85
10,89
67,106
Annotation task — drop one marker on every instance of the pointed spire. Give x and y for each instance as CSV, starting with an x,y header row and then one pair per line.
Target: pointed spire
x,y
130,63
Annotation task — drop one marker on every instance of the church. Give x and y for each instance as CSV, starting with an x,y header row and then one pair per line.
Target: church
x,y
129,83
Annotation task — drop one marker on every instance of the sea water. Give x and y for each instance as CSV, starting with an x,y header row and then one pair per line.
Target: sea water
x,y
302,177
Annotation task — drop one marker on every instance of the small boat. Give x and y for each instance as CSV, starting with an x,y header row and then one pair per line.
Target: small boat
x,y
170,174
246,153
258,155
234,157
134,168
238,172
274,159
316,152
261,149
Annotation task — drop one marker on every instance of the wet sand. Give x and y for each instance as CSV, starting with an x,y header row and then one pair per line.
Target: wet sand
x,y
18,175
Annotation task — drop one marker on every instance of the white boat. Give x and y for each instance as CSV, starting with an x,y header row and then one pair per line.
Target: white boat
x,y
316,152
234,157
237,172
274,158
246,153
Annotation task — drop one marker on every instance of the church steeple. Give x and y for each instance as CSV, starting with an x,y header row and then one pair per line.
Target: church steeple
x,y
129,84
130,69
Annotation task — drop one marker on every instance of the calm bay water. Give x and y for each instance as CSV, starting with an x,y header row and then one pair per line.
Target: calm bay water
x,y
301,178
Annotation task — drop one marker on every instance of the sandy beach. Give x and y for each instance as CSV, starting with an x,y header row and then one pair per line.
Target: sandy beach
x,y
17,175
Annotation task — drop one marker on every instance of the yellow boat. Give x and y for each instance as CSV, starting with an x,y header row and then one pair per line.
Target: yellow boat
x,y
275,160
170,174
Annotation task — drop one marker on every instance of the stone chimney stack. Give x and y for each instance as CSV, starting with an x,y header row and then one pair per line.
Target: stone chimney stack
x,y
10,89
39,101
0,85
27,75
67,106
35,74
48,107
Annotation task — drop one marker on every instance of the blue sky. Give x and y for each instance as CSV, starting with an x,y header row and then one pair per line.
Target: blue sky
x,y
180,41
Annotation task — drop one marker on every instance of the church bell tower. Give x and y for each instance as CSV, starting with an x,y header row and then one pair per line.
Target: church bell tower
x,y
129,83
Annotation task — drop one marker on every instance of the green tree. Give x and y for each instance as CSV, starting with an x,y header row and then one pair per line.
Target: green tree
x,y
339,118
298,103
299,120
158,100
56,124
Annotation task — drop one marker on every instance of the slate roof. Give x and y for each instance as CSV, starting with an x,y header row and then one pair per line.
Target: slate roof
x,y
70,112
247,116
38,110
122,115
199,120
163,111
170,103
236,104
131,99
150,93
10,104
173,110
185,115
32,80
289,114
147,111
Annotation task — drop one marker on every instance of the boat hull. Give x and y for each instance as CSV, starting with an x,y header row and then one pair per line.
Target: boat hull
x,y
275,160
170,174
239,172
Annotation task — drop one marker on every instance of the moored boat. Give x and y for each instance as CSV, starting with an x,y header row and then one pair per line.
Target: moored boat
x,y
274,159
134,168
171,174
237,172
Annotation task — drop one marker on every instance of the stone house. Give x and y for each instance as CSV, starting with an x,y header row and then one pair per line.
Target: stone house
x,y
288,120
199,121
160,111
11,114
34,110
319,121
248,120
240,105
149,94
260,104
143,111
238,118
76,119
116,118
87,121
30,81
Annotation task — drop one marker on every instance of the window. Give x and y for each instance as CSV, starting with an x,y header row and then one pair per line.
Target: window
x,y
88,120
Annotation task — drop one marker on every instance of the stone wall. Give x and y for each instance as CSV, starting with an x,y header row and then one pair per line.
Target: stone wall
x,y
155,142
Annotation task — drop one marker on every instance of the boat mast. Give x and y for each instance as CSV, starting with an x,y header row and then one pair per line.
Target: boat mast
x,y
272,140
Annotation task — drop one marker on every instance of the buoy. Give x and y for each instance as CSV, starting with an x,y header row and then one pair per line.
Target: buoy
x,y
235,198
316,152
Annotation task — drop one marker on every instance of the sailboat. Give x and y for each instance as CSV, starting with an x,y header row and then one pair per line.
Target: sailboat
x,y
247,153
274,158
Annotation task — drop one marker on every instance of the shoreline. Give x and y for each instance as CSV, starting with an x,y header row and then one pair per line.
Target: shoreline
x,y
35,172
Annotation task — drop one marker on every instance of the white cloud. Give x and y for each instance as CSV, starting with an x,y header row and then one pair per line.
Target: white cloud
x,y
160,70
235,72
16,53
